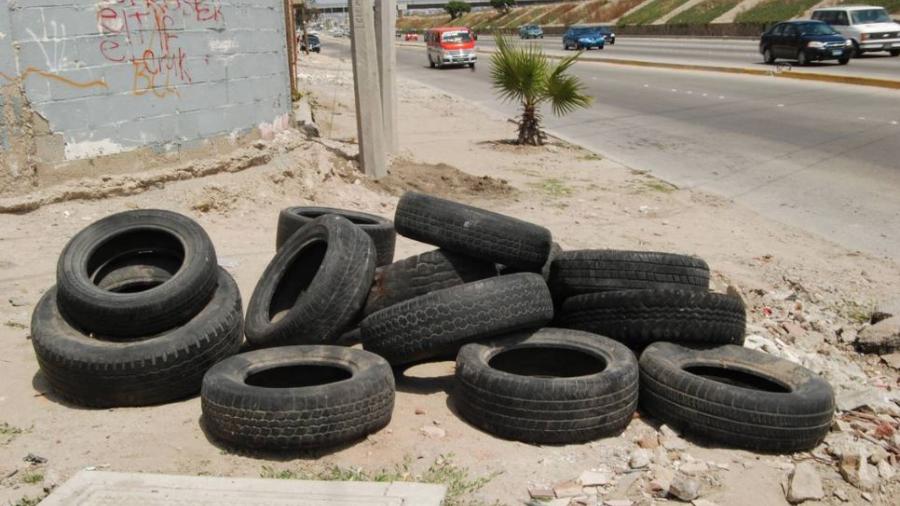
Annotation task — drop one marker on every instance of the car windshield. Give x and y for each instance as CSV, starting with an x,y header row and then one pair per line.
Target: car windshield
x,y
581,32
870,16
815,29
456,37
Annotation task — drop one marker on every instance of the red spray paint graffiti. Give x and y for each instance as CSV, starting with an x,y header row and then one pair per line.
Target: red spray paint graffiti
x,y
145,34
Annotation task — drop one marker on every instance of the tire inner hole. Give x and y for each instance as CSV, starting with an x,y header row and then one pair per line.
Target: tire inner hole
x,y
357,220
738,378
296,279
295,376
136,261
547,362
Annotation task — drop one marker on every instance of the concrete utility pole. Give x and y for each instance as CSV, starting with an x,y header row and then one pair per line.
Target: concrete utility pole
x,y
366,85
385,23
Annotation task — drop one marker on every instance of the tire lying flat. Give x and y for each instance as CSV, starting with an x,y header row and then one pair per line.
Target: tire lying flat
x,y
311,396
380,229
169,366
162,242
439,323
472,231
737,397
563,386
640,317
422,274
315,286
589,271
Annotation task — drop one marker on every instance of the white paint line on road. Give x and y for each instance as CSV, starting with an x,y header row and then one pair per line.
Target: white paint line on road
x,y
780,105
894,122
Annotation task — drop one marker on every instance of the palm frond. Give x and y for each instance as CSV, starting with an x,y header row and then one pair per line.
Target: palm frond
x,y
518,73
566,92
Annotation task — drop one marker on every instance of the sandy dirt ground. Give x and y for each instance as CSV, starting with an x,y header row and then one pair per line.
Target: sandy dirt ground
x,y
451,148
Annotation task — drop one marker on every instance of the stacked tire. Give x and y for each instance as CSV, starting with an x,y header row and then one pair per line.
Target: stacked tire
x,y
139,312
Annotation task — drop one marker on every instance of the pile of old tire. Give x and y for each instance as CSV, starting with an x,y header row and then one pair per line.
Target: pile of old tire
x,y
140,311
297,389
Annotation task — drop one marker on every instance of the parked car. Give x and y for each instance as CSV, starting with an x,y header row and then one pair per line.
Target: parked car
x,y
312,43
531,32
608,35
450,45
583,37
869,27
411,36
804,41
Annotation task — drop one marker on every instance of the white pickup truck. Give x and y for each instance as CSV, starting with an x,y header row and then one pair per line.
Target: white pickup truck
x,y
870,28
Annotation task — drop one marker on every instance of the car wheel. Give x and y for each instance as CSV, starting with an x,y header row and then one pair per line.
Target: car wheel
x,y
895,52
845,60
801,58
857,52
430,62
768,56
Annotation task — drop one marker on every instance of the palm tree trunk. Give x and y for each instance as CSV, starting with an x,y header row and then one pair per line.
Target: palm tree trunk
x,y
529,127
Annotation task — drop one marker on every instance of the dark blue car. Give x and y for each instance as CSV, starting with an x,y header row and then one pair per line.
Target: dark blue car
x,y
804,41
583,37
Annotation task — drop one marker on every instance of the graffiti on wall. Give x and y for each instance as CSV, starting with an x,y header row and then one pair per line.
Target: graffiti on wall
x,y
145,33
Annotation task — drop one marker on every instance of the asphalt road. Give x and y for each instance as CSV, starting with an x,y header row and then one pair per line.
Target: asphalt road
x,y
728,53
818,156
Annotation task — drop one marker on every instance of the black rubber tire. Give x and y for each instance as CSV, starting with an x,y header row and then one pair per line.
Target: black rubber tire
x,y
472,231
590,271
547,408
380,229
297,417
546,269
640,317
149,238
90,372
439,323
315,286
731,414
422,274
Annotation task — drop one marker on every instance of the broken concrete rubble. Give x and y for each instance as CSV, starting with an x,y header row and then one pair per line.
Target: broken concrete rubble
x,y
857,471
883,337
805,484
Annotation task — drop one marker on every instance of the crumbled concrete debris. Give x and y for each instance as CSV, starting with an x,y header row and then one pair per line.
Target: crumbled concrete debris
x,y
618,502
433,432
883,337
649,441
420,411
885,470
595,478
805,484
541,493
18,301
879,400
52,479
585,500
885,310
848,335
892,359
685,489
703,502
639,459
34,459
567,489
877,454
670,439
857,471
841,494
694,468
662,480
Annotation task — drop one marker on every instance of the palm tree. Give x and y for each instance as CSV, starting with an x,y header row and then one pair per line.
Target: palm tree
x,y
525,75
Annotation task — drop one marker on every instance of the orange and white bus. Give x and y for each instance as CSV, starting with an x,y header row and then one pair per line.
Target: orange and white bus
x,y
450,45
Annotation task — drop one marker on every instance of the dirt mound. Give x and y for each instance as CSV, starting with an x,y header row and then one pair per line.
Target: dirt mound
x,y
440,179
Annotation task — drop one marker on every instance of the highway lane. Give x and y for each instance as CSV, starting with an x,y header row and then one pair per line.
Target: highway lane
x,y
822,157
720,52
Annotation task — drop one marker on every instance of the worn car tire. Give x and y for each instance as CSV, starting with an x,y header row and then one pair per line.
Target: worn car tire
x,y
315,286
156,240
545,270
439,323
422,274
736,396
547,386
161,368
640,317
380,229
589,271
292,409
472,231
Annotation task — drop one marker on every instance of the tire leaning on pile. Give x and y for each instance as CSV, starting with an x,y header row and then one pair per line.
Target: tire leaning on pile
x,y
380,229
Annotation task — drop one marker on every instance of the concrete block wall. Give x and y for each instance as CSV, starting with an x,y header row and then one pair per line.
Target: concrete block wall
x,y
109,76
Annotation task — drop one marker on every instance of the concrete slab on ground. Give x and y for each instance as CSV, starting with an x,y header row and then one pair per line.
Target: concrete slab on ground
x,y
101,488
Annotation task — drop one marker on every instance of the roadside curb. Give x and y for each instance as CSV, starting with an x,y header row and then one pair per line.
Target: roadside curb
x,y
803,76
